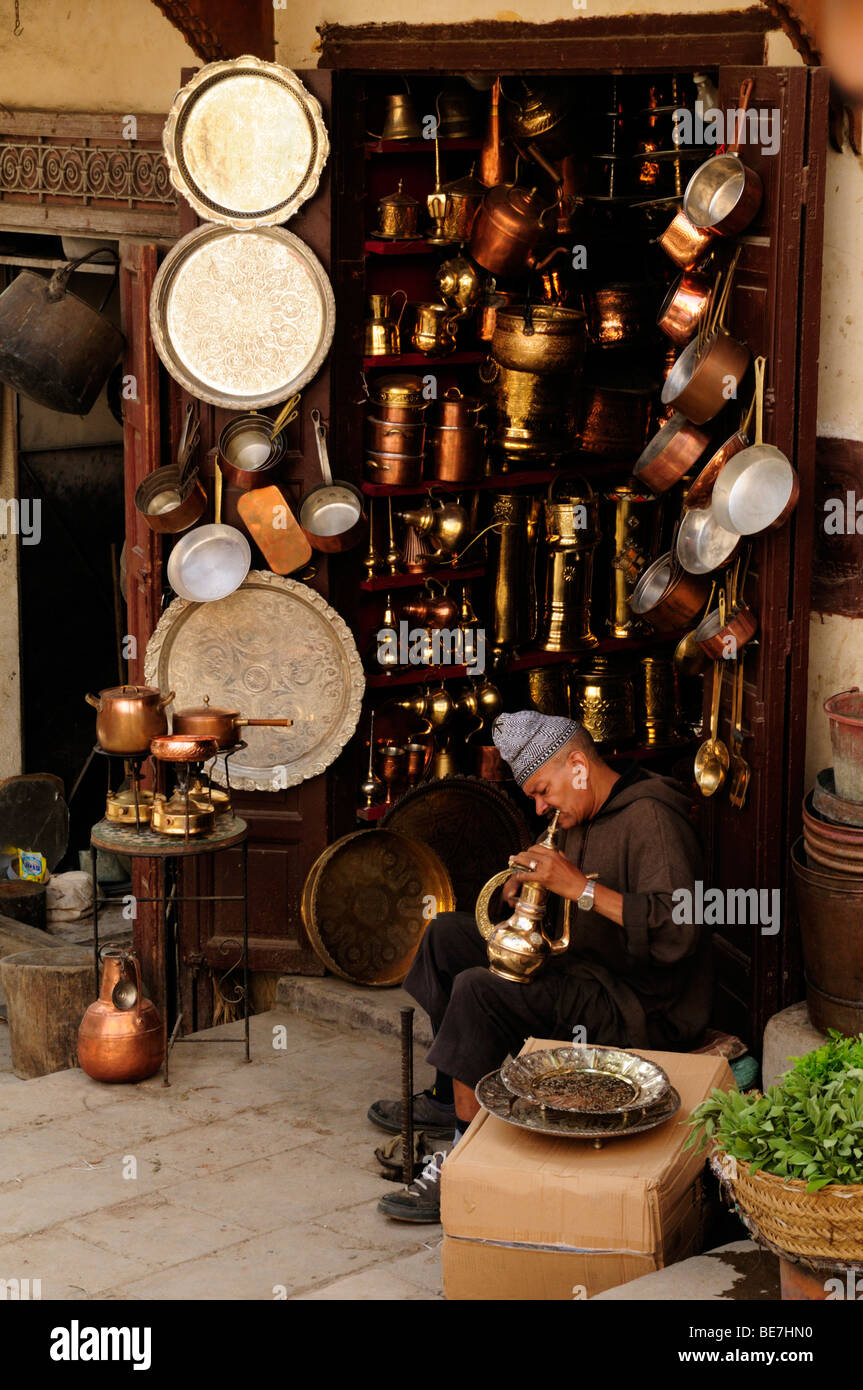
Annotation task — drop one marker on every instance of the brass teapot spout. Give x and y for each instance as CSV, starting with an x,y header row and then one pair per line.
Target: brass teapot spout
x,y
518,948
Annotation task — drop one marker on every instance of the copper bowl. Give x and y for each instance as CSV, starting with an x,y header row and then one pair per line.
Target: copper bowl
x,y
671,453
180,748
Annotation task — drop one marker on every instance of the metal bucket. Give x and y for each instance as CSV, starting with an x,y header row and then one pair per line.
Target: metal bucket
x,y
845,712
830,908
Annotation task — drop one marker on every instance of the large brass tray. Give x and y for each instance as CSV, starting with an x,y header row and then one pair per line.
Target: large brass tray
x,y
494,1096
245,142
273,649
242,319
367,902
524,1076
471,825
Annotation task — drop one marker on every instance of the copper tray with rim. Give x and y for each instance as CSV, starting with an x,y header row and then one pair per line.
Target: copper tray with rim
x,y
494,1097
366,902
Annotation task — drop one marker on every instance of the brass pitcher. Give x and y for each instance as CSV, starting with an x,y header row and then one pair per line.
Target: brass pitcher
x,y
518,948
381,337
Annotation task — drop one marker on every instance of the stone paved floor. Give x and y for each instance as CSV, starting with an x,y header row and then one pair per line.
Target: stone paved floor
x,y
251,1181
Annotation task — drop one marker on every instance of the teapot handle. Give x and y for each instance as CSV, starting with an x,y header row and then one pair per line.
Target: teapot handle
x,y
138,984
484,923
569,474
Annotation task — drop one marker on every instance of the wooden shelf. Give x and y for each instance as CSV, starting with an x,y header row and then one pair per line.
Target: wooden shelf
x,y
472,142
420,359
417,246
494,480
528,660
419,675
381,583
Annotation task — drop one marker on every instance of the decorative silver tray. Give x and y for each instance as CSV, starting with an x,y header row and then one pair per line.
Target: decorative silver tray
x,y
494,1096
245,142
525,1076
272,649
242,319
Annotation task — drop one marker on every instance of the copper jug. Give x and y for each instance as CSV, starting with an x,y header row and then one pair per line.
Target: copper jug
x,y
120,1037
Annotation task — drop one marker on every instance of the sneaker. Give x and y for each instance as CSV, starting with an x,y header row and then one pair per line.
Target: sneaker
x,y
437,1120
420,1201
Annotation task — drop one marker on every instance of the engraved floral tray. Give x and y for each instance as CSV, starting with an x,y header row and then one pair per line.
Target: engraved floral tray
x,y
272,649
245,142
494,1096
551,1077
242,319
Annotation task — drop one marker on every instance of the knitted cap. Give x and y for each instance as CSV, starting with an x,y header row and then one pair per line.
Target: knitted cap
x,y
527,739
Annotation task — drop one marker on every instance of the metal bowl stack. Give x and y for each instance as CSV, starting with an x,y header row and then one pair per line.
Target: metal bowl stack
x,y
580,1092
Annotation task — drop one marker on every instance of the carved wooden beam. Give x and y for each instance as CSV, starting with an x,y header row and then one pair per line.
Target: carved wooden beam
x,y
220,29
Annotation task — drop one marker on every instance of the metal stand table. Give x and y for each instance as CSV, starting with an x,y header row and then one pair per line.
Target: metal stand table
x,y
144,843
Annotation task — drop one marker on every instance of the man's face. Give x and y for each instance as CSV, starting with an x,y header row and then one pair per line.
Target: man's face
x,y
562,785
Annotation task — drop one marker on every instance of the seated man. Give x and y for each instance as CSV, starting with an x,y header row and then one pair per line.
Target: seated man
x,y
634,975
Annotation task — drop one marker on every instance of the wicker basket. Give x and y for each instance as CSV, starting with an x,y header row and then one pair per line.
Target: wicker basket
x,y
824,1225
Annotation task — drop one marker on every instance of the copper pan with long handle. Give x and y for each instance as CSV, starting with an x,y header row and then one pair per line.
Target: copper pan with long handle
x,y
331,514
724,195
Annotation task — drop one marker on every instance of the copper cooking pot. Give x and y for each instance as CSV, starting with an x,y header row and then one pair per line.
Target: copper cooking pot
x,y
539,338
395,470
616,416
670,454
181,748
667,597
716,631
456,409
128,717
684,307
457,452
120,1038
506,230
686,244
207,721
392,437
697,384
700,490
167,505
619,313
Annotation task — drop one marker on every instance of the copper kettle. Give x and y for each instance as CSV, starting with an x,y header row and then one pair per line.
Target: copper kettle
x,y
506,230
121,1036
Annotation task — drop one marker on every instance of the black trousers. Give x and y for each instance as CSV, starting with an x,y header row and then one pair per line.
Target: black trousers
x,y
479,1018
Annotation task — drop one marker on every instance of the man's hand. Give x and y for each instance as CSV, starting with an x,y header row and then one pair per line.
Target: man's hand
x,y
553,870
511,889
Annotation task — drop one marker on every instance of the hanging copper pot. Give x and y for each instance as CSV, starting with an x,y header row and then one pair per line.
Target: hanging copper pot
x,y
120,1038
506,231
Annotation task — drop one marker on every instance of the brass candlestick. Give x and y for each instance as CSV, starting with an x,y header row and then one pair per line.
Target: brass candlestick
x,y
373,559
393,558
373,786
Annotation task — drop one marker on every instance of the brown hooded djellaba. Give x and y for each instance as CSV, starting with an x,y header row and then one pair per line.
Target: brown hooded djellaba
x,y
657,970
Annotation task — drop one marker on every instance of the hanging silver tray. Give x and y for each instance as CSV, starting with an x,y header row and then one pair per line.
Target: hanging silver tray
x,y
557,1069
494,1097
273,649
245,142
242,320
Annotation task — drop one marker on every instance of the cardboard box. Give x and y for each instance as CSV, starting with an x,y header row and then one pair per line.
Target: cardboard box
x,y
530,1217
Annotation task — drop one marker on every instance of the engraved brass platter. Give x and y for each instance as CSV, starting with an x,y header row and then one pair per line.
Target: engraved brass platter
x,y
245,142
494,1096
471,825
365,904
273,649
242,319
524,1076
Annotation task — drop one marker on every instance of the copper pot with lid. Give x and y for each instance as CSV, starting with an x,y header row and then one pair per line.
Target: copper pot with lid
x,y
207,721
128,717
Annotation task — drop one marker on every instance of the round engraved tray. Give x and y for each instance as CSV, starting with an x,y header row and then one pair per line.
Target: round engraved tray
x,y
524,1076
242,319
273,649
494,1096
245,142
365,903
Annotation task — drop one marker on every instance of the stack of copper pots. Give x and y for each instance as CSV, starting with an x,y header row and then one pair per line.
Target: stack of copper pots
x,y
458,440
395,431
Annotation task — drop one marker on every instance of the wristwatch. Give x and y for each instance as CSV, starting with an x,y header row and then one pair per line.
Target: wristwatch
x,y
585,902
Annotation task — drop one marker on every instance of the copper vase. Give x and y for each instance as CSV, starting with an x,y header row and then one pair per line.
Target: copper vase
x,y
119,1041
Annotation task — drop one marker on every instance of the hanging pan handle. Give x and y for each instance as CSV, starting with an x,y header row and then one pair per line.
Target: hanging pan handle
x,y
746,89
59,282
321,441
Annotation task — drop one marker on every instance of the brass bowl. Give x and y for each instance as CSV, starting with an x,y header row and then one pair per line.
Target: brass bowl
x,y
523,1076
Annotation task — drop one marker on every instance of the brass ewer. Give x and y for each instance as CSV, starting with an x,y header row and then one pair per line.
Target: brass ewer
x,y
518,948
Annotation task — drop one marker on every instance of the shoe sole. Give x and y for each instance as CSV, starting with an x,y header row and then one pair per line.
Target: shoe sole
x,y
415,1217
433,1131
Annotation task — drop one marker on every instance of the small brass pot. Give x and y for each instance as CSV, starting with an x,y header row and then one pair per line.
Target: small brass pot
x,y
604,701
434,333
398,216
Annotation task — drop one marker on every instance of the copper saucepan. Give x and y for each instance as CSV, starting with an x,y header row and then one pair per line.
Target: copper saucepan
x,y
758,490
702,544
686,244
717,634
670,454
724,195
331,514
684,307
208,721
179,748
667,597
700,491
698,383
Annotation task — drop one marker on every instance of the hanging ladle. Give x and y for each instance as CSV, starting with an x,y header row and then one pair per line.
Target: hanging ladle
x,y
712,759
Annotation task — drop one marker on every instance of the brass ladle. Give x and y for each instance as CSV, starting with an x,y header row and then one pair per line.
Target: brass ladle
x,y
712,759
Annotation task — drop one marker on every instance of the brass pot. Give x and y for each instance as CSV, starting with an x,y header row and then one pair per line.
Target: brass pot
x,y
398,216
398,393
604,701
616,417
660,701
534,415
118,1042
464,198
434,332
128,717
539,338
619,314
